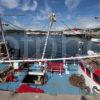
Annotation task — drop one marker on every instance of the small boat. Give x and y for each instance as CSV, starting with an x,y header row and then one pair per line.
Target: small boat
x,y
96,40
47,75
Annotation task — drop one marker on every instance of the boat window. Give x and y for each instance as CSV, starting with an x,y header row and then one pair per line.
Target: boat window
x,y
88,72
82,66
96,78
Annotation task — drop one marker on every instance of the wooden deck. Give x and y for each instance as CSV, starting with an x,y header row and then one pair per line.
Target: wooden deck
x,y
32,96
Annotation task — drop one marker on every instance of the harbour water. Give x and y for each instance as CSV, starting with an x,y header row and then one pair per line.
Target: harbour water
x,y
31,46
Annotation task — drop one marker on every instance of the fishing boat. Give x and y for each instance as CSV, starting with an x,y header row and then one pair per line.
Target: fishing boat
x,y
46,75
96,40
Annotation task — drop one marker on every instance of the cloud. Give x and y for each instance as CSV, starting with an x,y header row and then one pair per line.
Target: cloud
x,y
24,5
43,13
33,25
72,4
14,17
17,23
98,5
9,3
87,22
59,28
40,17
68,17
32,5
1,10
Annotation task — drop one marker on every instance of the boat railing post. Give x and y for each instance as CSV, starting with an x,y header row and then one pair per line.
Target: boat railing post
x,y
60,71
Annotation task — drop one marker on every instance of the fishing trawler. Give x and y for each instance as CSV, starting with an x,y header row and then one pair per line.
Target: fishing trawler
x,y
46,75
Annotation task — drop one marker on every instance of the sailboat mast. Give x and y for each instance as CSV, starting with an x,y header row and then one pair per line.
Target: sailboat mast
x,y
4,40
52,19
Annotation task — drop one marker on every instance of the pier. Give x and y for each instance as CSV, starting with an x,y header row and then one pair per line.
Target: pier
x,y
32,96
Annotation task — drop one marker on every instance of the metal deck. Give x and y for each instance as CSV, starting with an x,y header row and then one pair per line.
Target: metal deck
x,y
57,84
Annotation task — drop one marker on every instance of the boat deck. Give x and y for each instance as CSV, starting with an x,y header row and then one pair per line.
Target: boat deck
x,y
60,85
57,84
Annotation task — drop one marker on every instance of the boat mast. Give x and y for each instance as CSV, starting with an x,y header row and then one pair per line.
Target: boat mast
x,y
52,19
4,40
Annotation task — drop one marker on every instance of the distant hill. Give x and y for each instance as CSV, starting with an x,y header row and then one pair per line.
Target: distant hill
x,y
96,29
13,31
41,31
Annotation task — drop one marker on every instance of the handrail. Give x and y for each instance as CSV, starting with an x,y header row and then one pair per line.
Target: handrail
x,y
54,59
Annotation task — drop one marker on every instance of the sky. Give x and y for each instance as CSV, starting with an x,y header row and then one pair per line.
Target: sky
x,y
35,13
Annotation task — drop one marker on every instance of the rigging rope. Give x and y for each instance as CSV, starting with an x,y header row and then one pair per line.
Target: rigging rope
x,y
67,26
14,25
52,19
46,41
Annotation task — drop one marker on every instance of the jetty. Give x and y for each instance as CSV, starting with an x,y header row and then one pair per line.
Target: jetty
x,y
33,96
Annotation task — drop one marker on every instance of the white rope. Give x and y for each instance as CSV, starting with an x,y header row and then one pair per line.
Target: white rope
x,y
46,41
55,59
52,19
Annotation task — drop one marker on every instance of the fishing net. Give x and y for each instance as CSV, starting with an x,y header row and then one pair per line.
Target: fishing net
x,y
77,80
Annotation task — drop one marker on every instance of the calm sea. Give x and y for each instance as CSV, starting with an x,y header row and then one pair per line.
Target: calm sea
x,y
57,46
